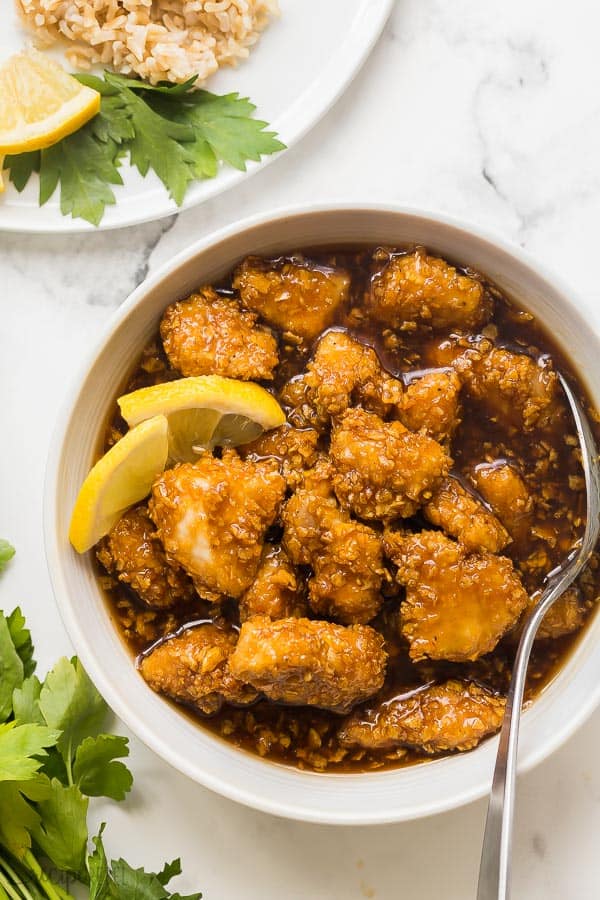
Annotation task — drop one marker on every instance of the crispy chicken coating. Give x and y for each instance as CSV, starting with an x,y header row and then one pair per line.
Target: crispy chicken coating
x,y
192,667
277,592
565,617
460,514
504,490
212,335
309,663
458,604
346,556
345,372
417,291
212,516
133,552
296,297
431,405
382,470
513,389
295,449
455,715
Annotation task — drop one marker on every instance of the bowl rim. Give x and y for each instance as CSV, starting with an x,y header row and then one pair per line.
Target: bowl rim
x,y
115,700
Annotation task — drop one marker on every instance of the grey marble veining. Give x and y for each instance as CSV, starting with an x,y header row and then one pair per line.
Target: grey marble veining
x,y
490,112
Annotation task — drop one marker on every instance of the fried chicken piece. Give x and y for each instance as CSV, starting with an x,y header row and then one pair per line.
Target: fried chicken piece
x,y
295,450
133,552
382,470
192,667
504,490
455,715
431,405
565,617
295,297
296,397
417,291
460,514
345,372
212,335
513,389
277,592
309,663
212,516
346,556
458,604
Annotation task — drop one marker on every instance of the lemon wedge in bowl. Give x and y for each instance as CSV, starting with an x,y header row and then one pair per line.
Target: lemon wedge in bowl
x,y
205,411
120,478
40,103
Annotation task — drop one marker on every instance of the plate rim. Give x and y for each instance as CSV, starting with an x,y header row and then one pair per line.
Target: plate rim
x,y
373,14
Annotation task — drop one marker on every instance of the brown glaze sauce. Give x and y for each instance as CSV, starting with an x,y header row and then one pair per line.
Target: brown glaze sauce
x,y
306,737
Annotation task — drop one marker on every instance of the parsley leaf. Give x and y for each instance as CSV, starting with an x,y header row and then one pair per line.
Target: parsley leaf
x,y
19,747
17,816
61,832
96,771
26,707
179,133
21,638
6,550
11,669
70,702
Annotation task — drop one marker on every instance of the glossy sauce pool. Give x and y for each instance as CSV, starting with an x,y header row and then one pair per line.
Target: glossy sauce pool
x,y
306,737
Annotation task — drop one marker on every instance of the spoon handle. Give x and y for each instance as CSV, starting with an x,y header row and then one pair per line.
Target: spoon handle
x,y
494,870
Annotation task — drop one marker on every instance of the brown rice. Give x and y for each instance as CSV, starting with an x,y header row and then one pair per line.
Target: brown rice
x,y
164,40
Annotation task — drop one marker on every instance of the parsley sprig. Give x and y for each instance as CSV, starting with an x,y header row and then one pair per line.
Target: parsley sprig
x,y
181,134
54,756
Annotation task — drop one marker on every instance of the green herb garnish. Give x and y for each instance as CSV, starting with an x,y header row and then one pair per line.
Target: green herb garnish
x,y
179,133
54,756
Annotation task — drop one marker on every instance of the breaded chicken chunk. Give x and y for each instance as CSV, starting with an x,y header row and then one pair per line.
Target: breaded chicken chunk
x,y
431,405
212,516
513,389
382,470
278,591
212,335
417,291
295,450
192,667
345,372
134,554
455,715
309,663
346,556
458,604
460,514
564,617
504,490
296,297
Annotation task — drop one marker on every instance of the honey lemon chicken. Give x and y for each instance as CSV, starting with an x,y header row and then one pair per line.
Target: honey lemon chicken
x,y
345,592
193,668
211,335
133,552
451,716
458,603
212,516
309,662
382,470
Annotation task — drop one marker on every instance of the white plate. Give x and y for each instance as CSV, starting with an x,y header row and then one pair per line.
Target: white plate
x,y
301,65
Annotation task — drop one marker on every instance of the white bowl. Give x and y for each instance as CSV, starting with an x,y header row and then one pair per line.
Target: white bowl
x,y
388,796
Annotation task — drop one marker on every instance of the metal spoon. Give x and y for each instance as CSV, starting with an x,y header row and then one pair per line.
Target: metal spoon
x,y
494,870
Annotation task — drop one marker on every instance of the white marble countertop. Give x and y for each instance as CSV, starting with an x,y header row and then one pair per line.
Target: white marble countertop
x,y
490,111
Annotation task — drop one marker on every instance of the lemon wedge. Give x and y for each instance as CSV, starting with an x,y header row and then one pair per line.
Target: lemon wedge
x,y
122,477
40,103
205,411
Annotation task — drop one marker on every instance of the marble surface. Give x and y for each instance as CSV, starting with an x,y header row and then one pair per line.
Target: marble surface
x,y
488,111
